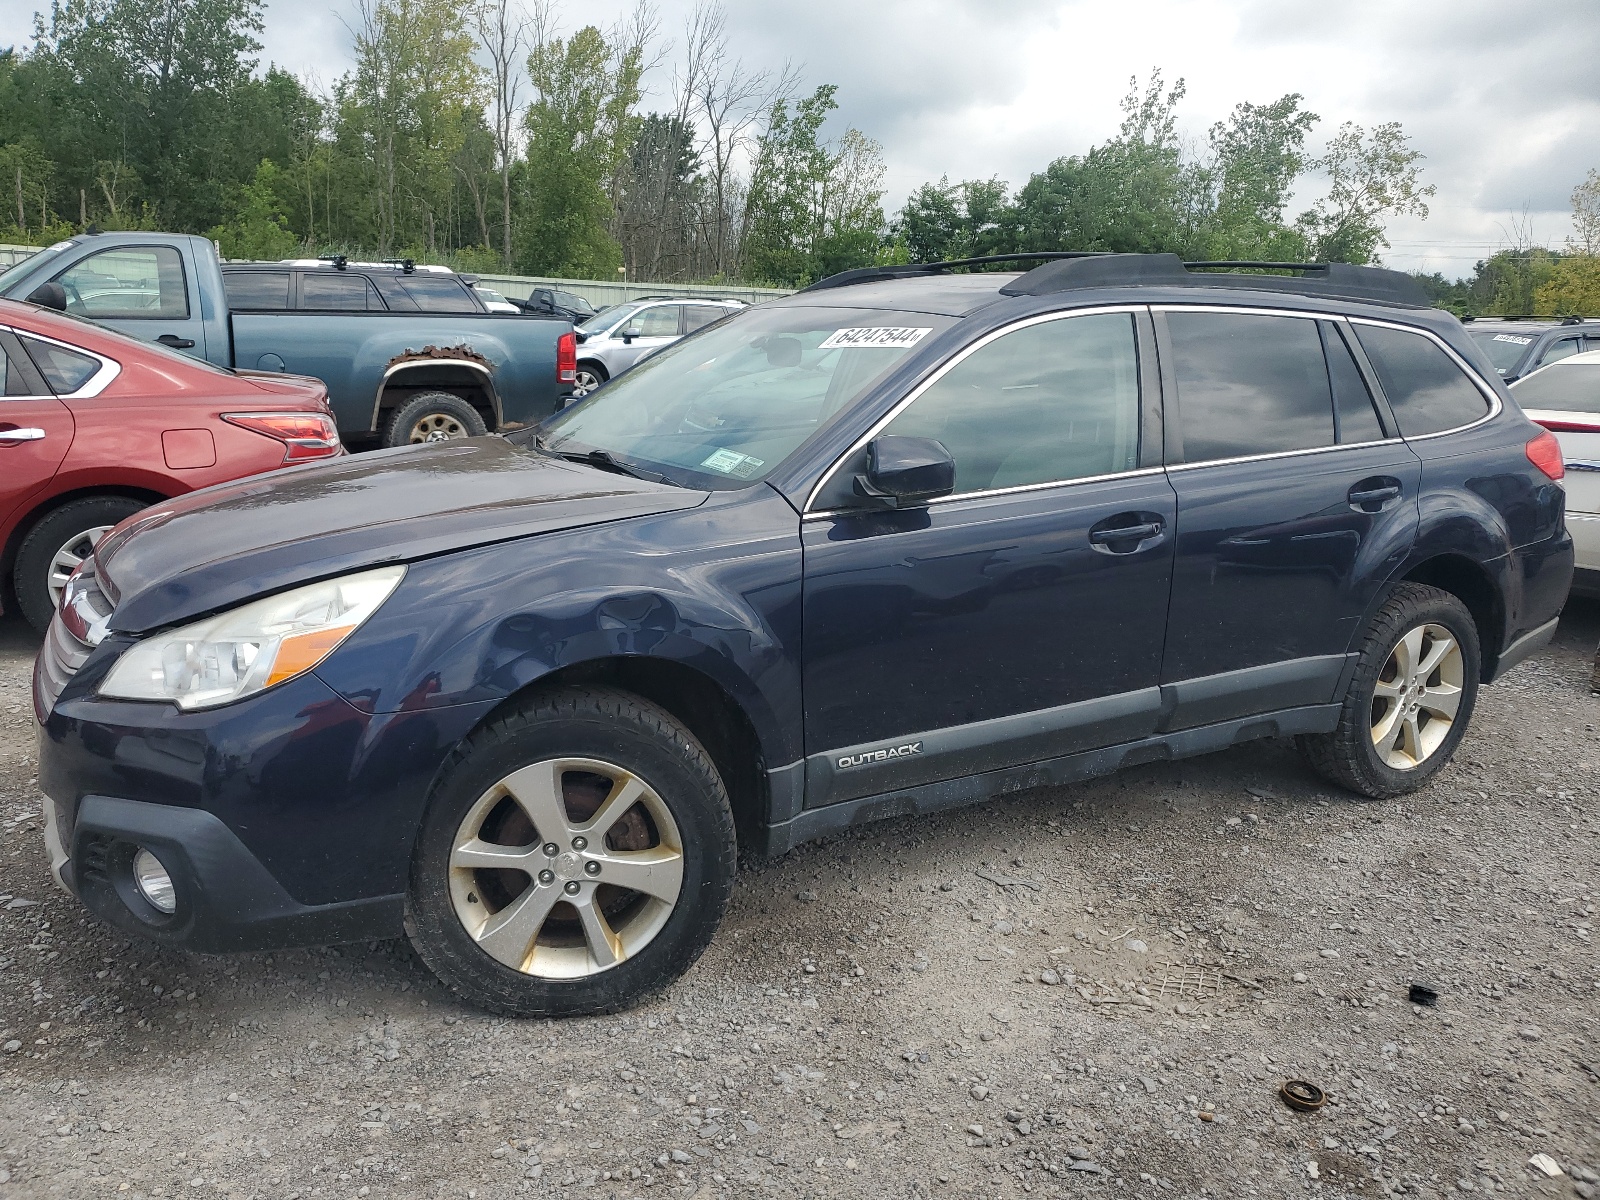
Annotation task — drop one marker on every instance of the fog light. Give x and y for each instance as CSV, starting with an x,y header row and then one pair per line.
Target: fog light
x,y
155,885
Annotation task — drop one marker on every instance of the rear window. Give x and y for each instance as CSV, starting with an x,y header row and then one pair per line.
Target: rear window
x,y
64,370
1572,387
1505,350
257,291
1426,390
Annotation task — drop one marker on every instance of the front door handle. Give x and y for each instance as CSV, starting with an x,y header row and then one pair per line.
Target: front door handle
x,y
174,342
1374,495
13,436
1125,533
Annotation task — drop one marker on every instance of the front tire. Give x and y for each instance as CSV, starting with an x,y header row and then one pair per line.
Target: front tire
x,y
576,857
1410,699
432,417
590,376
54,547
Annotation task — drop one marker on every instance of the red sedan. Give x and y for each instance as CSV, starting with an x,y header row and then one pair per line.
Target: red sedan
x,y
95,426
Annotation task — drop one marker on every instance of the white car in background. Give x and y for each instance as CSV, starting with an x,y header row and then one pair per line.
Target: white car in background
x,y
1564,397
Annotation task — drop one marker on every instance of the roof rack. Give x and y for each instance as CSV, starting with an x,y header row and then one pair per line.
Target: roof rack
x,y
911,270
1168,270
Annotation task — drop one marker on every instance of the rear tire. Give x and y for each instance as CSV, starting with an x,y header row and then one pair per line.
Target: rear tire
x,y
55,545
561,934
432,417
1410,700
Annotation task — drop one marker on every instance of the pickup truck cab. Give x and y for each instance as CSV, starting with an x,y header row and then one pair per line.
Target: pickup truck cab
x,y
408,354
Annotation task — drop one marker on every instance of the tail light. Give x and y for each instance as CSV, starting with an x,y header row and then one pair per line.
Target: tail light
x,y
567,357
1544,452
305,435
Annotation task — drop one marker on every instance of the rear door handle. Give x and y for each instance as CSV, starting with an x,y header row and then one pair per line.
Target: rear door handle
x,y
1378,492
173,341
21,435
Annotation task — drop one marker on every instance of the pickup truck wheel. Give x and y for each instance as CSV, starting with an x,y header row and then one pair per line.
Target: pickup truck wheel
x,y
54,547
590,376
576,856
432,417
1410,699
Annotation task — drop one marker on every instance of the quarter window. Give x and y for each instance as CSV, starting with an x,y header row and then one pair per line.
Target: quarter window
x,y
64,370
257,291
1249,384
333,292
438,294
1427,391
129,283
1043,404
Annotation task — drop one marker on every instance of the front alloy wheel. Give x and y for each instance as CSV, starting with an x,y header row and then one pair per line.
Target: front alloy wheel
x,y
586,380
69,558
566,867
576,855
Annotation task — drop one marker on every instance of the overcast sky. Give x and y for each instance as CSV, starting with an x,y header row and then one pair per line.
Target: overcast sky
x,y
1503,99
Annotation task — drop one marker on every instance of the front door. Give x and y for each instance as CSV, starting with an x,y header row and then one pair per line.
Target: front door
x,y
1017,620
142,291
1293,501
647,330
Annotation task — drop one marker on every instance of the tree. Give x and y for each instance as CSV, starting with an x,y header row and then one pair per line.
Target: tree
x,y
503,35
1239,197
259,228
942,221
580,126
1368,181
1585,237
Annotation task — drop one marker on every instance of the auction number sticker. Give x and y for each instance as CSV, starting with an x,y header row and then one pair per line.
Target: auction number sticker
x,y
891,337
1512,338
731,462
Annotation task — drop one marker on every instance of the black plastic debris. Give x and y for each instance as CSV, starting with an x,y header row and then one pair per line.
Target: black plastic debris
x,y
1421,993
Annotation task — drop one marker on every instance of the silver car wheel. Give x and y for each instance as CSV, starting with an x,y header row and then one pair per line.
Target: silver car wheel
x,y
69,558
1417,696
585,382
566,867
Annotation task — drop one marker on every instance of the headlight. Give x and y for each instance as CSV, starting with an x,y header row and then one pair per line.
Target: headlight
x,y
241,652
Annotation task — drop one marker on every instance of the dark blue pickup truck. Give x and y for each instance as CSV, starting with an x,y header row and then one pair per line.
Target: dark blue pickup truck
x,y
409,354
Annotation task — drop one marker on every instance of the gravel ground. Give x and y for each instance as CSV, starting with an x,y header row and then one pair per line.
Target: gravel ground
x,y
1088,990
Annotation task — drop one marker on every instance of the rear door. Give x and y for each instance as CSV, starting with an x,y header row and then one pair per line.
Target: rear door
x,y
143,290
1294,497
35,430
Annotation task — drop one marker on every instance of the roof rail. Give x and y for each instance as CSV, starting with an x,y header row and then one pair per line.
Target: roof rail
x,y
911,270
1167,270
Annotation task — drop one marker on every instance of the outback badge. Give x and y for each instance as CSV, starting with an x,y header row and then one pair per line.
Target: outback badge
x,y
868,757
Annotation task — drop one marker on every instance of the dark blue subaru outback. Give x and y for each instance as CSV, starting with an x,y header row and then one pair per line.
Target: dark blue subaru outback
x,y
909,539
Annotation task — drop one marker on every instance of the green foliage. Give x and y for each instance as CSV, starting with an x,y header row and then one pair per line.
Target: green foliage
x,y
1572,287
580,127
1237,199
1369,180
942,221
259,228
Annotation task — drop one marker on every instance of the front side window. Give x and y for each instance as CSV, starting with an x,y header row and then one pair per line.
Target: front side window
x,y
1556,351
1046,403
129,283
64,370
1427,392
660,321
725,408
338,292
1249,384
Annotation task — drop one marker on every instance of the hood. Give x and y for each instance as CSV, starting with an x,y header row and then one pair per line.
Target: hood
x,y
218,547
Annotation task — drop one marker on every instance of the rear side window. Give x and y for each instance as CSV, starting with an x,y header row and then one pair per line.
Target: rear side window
x,y
1427,391
64,370
1352,401
338,292
257,291
129,283
437,294
1047,403
1249,384
698,316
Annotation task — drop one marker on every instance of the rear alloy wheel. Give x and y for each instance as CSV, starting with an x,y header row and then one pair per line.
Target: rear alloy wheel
x,y
432,417
1410,698
576,856
56,545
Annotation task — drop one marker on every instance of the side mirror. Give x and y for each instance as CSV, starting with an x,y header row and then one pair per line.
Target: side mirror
x,y
49,295
904,472
627,339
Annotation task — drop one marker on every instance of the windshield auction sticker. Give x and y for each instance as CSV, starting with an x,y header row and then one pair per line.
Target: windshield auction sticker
x,y
731,462
890,337
1513,339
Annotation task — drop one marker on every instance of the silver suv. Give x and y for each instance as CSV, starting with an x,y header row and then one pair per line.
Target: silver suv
x,y
619,337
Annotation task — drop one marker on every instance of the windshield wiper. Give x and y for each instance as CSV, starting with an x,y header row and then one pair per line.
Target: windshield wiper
x,y
604,460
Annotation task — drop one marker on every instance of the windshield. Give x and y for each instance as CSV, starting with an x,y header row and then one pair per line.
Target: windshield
x,y
731,403
610,318
15,271
1566,387
1505,350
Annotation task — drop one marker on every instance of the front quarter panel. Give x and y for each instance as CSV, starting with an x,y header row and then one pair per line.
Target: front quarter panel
x,y
716,588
